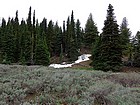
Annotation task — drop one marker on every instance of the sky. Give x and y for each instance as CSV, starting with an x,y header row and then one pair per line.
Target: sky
x,y
59,10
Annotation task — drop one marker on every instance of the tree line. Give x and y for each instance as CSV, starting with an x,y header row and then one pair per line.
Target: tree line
x,y
32,42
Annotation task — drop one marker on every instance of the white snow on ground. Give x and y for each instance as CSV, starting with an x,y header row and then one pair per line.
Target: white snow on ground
x,y
82,58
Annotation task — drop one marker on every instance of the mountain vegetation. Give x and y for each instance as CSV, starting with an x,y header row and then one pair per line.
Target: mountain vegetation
x,y
32,43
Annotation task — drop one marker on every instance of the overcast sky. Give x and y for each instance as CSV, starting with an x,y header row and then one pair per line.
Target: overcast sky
x,y
59,10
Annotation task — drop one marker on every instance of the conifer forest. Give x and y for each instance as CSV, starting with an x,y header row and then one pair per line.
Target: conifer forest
x,y
29,42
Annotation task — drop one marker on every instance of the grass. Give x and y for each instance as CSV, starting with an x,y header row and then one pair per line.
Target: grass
x,y
38,85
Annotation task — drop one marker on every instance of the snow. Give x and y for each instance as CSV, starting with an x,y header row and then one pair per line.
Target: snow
x,y
82,58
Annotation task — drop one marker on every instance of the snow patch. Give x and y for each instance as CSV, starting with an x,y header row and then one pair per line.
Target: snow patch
x,y
82,58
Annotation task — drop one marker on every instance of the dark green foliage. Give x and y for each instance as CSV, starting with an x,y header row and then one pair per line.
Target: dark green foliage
x,y
17,37
20,42
125,35
136,57
23,42
96,53
79,37
58,42
64,38
71,42
42,55
9,42
50,37
91,32
110,52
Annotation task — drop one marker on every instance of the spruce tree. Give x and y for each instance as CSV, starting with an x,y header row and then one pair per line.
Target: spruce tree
x,y
50,37
125,37
23,41
59,39
136,58
91,32
29,37
67,44
2,37
64,38
17,38
73,50
33,40
9,42
79,37
42,55
110,52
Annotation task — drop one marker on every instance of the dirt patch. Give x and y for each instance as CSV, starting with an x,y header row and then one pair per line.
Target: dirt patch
x,y
130,69
85,64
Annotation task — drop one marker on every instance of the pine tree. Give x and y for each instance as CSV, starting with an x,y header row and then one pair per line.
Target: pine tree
x,y
110,52
71,43
67,44
125,37
91,32
59,39
64,38
29,38
2,37
9,42
50,37
73,54
79,37
17,38
96,53
136,61
23,41
42,55
33,39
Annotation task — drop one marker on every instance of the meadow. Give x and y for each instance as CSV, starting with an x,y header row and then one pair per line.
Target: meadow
x,y
40,85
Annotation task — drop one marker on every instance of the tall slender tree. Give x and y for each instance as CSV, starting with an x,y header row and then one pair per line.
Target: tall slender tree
x,y
17,38
110,55
125,37
136,58
33,40
50,37
29,47
91,32
79,37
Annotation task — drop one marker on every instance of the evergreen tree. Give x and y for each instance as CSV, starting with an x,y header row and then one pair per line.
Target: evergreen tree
x,y
125,35
2,37
96,53
29,38
67,45
79,37
33,39
136,61
91,32
42,55
58,40
43,30
64,38
17,38
9,42
50,37
73,53
23,41
110,52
